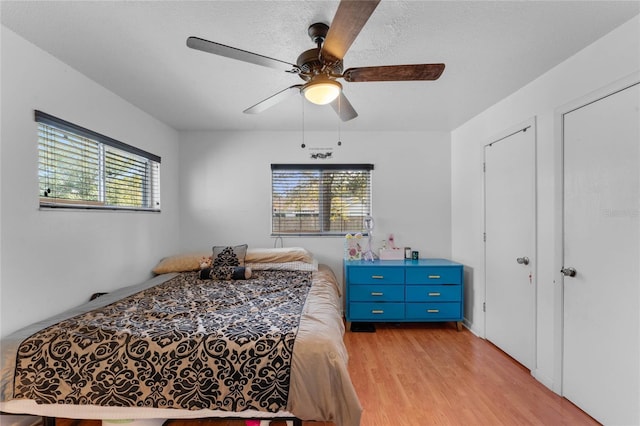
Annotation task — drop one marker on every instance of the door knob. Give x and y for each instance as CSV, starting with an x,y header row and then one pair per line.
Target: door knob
x,y
568,272
523,260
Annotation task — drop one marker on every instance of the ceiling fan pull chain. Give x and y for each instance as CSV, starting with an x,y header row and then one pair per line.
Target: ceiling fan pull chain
x,y
303,144
339,120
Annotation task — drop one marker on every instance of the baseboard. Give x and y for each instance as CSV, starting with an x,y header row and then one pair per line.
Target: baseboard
x,y
469,326
545,380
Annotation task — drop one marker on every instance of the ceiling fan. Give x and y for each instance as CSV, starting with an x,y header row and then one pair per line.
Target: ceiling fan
x,y
322,66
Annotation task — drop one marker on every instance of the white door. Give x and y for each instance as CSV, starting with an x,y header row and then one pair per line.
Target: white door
x,y
510,245
601,350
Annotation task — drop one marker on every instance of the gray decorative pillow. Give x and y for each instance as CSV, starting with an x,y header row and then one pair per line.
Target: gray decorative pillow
x,y
226,273
228,256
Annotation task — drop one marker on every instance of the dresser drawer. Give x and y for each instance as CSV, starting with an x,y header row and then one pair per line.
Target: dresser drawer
x,y
376,275
434,275
376,293
433,293
433,311
376,311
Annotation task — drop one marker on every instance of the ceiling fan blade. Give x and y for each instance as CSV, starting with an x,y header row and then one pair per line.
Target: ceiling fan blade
x,y
394,73
347,23
239,54
273,99
343,108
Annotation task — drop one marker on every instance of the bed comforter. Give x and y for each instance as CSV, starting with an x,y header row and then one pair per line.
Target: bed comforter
x,y
314,367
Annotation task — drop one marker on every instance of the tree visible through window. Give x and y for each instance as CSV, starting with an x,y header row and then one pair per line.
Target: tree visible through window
x,y
80,168
331,199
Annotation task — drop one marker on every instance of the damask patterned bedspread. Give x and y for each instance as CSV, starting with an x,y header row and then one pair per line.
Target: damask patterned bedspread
x,y
186,343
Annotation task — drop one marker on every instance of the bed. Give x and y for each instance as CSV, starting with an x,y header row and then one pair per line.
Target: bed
x,y
181,345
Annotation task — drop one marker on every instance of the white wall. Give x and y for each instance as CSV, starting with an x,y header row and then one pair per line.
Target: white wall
x,y
609,59
52,260
225,187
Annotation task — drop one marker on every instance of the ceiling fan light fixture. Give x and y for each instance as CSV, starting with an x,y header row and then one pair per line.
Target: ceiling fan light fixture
x,y
321,91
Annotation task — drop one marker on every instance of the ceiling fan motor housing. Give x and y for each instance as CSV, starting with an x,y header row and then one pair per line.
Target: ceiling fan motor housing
x,y
310,62
310,65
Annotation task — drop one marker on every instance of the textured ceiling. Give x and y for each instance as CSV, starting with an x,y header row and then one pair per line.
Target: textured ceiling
x,y
137,49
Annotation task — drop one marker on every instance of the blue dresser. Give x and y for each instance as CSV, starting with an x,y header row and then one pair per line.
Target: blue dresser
x,y
404,291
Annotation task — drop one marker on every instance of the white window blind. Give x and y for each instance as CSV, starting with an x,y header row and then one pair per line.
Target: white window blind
x,y
79,168
330,199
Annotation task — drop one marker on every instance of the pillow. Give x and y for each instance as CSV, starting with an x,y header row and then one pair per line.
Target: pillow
x,y
226,273
278,255
228,256
181,263
284,266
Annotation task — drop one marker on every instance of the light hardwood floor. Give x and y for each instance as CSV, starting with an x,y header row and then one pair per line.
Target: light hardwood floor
x,y
431,374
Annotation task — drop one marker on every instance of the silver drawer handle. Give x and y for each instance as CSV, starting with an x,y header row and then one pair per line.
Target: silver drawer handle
x,y
433,311
377,293
434,294
377,311
434,277
377,277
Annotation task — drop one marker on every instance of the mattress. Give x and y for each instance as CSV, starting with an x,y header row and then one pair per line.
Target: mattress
x,y
319,387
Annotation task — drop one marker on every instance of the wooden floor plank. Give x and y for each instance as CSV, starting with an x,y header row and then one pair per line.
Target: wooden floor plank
x,y
431,374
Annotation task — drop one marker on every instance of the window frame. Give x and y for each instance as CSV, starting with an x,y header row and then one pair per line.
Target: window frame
x,y
322,168
104,147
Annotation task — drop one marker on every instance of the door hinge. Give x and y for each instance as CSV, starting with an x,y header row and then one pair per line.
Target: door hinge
x,y
484,237
484,167
484,306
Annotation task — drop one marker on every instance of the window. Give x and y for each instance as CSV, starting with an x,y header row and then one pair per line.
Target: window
x,y
79,168
307,199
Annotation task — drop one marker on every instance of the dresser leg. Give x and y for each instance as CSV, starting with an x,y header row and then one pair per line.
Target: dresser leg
x,y
459,325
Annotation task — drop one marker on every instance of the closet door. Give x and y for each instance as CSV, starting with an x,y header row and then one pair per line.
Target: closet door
x,y
601,348
510,244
